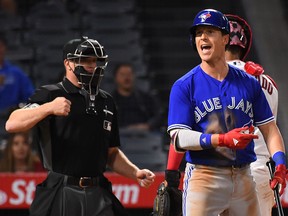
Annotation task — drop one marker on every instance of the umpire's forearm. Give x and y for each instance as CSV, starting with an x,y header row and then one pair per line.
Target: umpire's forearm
x,y
120,164
25,119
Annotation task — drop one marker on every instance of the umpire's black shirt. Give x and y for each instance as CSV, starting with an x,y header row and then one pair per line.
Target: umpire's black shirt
x,y
76,144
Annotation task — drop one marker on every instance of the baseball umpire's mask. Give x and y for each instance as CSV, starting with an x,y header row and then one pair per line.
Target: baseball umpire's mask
x,y
90,62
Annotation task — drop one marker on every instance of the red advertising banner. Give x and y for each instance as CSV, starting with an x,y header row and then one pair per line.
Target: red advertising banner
x,y
17,190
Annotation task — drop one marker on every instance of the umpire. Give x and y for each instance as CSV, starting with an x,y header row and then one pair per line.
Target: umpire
x,y
75,124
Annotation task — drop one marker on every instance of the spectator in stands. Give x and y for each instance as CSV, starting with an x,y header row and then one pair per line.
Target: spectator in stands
x,y
15,85
15,88
18,155
136,109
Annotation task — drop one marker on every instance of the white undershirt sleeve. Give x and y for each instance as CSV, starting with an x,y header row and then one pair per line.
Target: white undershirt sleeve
x,y
187,139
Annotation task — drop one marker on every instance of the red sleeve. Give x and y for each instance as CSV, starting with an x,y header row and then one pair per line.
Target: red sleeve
x,y
174,159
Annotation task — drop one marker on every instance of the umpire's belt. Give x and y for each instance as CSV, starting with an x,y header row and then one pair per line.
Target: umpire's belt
x,y
82,182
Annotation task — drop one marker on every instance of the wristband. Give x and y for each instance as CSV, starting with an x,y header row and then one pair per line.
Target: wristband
x,y
205,141
279,158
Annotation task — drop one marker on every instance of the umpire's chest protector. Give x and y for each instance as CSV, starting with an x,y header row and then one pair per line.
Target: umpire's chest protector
x,y
70,144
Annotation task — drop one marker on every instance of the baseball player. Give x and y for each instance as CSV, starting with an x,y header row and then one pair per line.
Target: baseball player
x,y
239,46
76,128
212,111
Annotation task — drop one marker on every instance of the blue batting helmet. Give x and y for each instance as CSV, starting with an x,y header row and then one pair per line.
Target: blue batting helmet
x,y
210,17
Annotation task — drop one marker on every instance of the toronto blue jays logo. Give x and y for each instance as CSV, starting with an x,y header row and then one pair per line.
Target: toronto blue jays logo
x,y
214,104
204,16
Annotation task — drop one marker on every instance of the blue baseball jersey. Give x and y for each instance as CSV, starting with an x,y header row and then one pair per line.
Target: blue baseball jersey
x,y
201,103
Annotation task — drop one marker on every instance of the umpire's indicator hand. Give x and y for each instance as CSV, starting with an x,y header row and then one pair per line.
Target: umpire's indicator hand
x,y
60,106
145,177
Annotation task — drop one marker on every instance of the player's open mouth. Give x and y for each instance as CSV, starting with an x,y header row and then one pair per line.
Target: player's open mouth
x,y
205,47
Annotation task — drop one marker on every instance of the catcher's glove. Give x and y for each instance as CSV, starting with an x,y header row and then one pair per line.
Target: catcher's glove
x,y
168,201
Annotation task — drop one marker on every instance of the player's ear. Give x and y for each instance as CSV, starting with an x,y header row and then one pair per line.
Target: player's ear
x,y
226,39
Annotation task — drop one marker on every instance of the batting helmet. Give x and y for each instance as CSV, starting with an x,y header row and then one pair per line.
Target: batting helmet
x,y
240,34
210,17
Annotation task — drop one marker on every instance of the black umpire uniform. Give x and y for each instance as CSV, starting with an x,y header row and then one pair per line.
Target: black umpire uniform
x,y
74,150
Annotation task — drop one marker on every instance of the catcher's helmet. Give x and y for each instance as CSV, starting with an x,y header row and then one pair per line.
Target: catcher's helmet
x,y
240,33
87,48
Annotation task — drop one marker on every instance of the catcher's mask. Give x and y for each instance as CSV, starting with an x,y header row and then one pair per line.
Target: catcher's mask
x,y
240,33
90,62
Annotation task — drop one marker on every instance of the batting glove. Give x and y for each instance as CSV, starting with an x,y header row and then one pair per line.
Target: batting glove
x,y
279,178
237,138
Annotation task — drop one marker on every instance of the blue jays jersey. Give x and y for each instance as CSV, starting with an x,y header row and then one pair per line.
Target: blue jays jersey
x,y
201,103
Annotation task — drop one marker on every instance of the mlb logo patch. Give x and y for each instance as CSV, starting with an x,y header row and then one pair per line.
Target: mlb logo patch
x,y
107,125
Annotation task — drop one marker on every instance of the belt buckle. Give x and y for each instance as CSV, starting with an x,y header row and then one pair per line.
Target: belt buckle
x,y
85,182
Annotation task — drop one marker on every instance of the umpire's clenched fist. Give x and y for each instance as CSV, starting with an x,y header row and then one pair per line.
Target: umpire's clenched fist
x,y
60,106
